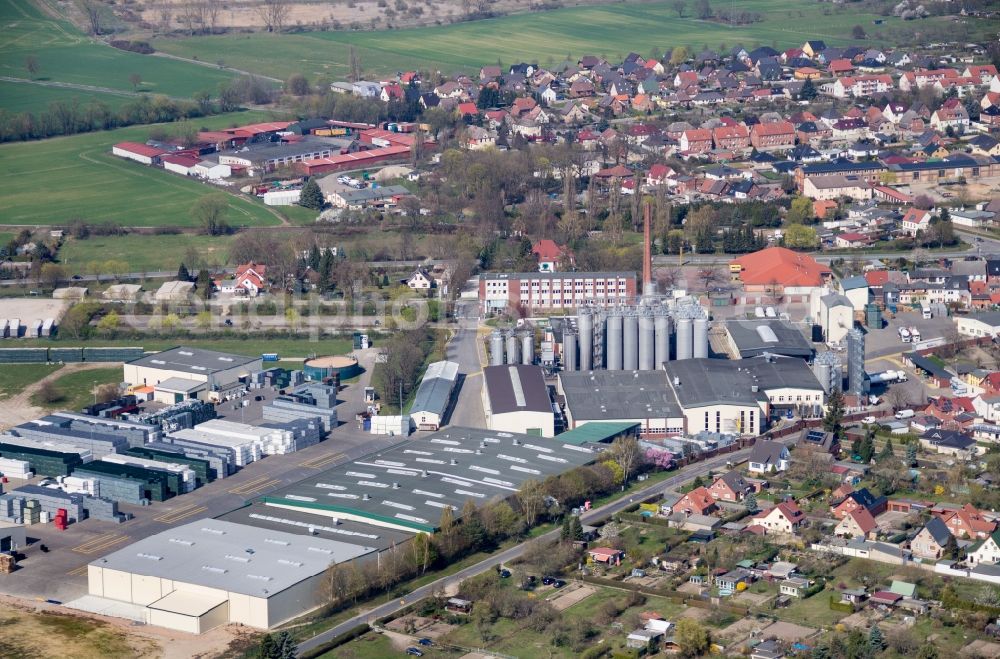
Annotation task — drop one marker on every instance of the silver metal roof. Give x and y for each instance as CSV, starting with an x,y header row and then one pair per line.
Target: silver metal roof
x,y
232,557
435,388
194,360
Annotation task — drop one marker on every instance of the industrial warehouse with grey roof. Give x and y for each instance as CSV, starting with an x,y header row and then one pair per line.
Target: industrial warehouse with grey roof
x,y
752,338
702,382
408,485
195,361
604,395
434,395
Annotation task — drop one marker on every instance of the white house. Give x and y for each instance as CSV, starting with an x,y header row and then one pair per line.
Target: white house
x,y
986,551
784,518
420,280
211,170
768,456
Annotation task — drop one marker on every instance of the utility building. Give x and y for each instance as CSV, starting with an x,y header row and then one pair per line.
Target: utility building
x,y
516,399
191,373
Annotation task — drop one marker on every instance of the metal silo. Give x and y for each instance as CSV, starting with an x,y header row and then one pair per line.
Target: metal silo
x,y
684,345
828,371
569,351
700,350
528,348
613,335
585,325
647,355
496,349
513,349
661,341
630,341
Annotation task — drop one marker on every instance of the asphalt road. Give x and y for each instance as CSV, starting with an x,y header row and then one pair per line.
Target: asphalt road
x,y
490,563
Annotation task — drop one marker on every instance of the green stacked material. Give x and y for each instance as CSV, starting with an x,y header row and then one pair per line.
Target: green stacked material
x,y
112,354
201,468
24,355
159,485
66,354
43,462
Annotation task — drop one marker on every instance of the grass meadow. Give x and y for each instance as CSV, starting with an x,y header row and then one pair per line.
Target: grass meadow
x,y
143,252
65,55
64,178
28,97
546,37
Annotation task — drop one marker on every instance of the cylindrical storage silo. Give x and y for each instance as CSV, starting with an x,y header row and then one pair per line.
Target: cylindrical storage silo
x,y
569,351
528,348
613,337
700,347
822,373
585,325
647,356
630,341
661,339
496,349
684,347
513,349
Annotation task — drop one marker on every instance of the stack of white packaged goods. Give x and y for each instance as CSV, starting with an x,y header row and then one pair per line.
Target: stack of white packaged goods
x,y
188,476
76,485
16,468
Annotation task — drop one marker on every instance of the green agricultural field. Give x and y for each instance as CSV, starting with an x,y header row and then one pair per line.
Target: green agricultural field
x,y
65,55
143,253
63,178
15,377
28,97
545,37
76,390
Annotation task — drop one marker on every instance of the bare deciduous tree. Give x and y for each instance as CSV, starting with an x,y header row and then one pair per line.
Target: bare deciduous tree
x,y
625,452
898,398
274,14
92,9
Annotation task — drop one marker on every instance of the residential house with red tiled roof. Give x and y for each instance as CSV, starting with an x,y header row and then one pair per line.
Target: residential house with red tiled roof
x,y
967,522
735,137
698,501
858,523
550,255
696,141
779,269
774,135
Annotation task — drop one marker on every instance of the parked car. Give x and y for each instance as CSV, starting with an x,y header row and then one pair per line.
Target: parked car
x,y
869,419
416,652
504,573
426,642
548,581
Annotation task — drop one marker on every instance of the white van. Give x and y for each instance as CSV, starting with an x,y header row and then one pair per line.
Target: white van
x,y
758,312
926,312
770,312
905,414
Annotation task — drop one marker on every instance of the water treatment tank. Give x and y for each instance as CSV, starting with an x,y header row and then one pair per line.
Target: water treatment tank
x,y
569,351
630,341
585,325
613,336
528,348
661,340
700,348
496,349
684,345
513,349
647,355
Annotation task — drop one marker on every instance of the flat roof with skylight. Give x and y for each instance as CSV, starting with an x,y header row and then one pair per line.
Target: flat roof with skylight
x,y
407,486
193,360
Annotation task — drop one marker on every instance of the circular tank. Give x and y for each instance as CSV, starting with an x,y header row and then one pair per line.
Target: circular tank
x,y
513,350
613,335
700,348
527,348
569,351
585,324
647,356
822,373
496,349
661,341
342,366
684,347
630,342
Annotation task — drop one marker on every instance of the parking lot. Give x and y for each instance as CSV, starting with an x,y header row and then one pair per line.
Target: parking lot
x,y
886,341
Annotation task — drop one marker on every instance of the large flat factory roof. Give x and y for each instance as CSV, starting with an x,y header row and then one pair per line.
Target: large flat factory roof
x,y
700,382
232,557
599,395
407,486
194,360
305,522
756,337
